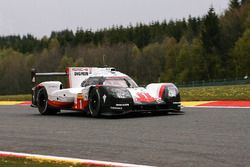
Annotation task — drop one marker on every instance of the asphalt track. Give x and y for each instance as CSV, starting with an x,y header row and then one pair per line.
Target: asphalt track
x,y
200,137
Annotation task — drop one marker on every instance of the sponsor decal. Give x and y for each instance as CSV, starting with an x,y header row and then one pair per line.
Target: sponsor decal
x,y
122,105
141,95
80,69
104,98
144,97
80,73
116,108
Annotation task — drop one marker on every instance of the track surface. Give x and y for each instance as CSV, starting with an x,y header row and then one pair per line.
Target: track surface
x,y
200,137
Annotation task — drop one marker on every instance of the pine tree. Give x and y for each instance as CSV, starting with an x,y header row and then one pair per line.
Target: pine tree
x,y
211,31
243,2
210,37
234,4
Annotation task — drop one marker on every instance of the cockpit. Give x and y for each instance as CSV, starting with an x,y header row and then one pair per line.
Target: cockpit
x,y
124,82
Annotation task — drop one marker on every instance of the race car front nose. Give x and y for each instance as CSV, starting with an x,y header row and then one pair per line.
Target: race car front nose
x,y
120,93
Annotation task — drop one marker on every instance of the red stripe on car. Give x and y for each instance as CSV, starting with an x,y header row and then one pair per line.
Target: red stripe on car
x,y
161,91
144,97
67,71
60,104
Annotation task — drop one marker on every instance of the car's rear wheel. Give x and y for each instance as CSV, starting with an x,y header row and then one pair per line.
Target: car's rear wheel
x,y
95,103
42,103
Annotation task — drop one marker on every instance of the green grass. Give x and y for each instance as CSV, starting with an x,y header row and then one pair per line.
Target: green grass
x,y
26,97
24,162
232,92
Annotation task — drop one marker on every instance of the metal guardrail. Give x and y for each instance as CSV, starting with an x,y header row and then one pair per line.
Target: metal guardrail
x,y
218,82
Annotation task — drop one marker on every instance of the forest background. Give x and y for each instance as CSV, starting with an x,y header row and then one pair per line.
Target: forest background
x,y
179,51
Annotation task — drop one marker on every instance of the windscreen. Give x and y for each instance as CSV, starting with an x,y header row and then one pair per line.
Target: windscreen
x,y
124,82
120,82
115,82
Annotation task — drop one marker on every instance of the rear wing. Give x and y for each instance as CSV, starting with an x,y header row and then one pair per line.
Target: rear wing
x,y
75,74
35,74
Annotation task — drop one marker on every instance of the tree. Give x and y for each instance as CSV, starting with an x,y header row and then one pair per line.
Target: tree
x,y
183,61
211,32
192,28
234,4
197,64
66,61
14,72
210,37
241,55
170,52
244,2
151,63
231,29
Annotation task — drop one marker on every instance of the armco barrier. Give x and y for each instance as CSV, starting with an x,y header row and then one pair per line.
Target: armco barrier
x,y
218,82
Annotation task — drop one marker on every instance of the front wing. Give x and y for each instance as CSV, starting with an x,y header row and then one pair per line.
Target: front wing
x,y
114,106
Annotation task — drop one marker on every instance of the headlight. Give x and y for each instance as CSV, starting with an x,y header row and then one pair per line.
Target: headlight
x,y
120,93
172,90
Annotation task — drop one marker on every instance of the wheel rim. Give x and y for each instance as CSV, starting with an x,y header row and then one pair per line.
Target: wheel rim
x,y
94,102
42,101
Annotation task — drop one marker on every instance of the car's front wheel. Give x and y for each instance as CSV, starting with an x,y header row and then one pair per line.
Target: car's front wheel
x,y
42,103
95,103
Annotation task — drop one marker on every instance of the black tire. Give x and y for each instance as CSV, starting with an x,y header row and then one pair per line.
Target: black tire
x,y
42,103
95,103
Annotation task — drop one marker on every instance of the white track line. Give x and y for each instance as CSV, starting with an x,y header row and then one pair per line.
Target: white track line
x,y
65,159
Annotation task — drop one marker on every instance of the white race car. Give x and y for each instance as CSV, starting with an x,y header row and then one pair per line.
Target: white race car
x,y
102,91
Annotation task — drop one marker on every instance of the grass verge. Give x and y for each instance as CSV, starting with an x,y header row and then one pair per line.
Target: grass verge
x,y
25,162
26,97
211,93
